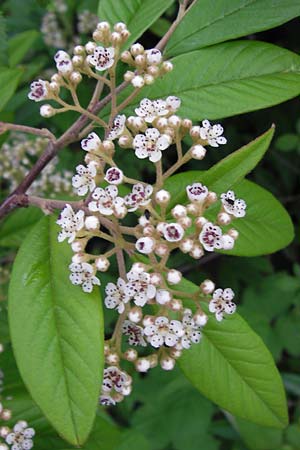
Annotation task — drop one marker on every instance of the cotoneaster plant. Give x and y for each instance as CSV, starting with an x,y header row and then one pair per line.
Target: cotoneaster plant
x,y
55,309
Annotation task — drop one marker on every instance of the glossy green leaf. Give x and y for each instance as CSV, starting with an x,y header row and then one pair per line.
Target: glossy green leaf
x,y
230,78
257,437
19,45
137,14
16,226
57,333
9,79
225,173
205,25
233,368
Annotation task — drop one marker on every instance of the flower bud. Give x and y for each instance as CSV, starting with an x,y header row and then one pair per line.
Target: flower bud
x,y
136,49
131,354
92,223
174,276
207,287
112,358
142,365
200,319
167,363
137,81
162,197
198,152
223,218
233,233
47,111
197,252
135,314
102,264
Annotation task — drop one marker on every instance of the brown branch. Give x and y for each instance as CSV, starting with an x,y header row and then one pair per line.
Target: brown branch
x,y
18,198
44,132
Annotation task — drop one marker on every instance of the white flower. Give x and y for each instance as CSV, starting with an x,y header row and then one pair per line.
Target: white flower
x,y
150,144
116,380
173,232
145,245
227,242
154,56
159,333
196,192
114,176
134,332
140,196
102,58
83,274
150,110
84,181
116,298
63,62
212,133
107,201
38,90
118,127
70,222
21,436
163,296
139,287
232,205
191,332
173,103
91,143
222,303
211,237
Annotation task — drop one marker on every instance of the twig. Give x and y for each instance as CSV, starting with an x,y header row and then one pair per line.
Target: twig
x,y
44,132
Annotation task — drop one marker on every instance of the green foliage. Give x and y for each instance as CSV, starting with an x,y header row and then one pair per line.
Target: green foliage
x,y
137,14
19,45
9,79
230,78
16,226
57,333
257,437
205,25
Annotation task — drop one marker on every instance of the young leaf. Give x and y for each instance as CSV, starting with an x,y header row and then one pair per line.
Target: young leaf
x,y
205,25
233,368
230,78
138,15
9,79
19,45
225,173
57,333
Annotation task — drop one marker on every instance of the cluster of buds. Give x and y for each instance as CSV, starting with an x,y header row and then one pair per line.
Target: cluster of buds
x,y
148,298
16,158
148,65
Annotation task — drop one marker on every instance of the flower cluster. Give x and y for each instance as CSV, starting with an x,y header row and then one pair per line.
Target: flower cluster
x,y
16,157
19,438
154,324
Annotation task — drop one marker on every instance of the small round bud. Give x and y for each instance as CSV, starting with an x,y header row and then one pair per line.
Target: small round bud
x,y
102,264
176,304
167,66
54,87
78,258
136,49
125,35
233,233
167,363
161,249
75,78
106,349
175,353
174,122
200,319
4,431
77,60
108,146
223,218
148,320
198,152
179,211
97,35
131,354
161,123
127,58
211,198
153,360
200,222
3,446
197,252
163,296
162,197
174,276
138,267
195,132
137,81
92,223
192,209
187,123
56,78
6,414
120,26
148,79
143,221
186,245
135,314
145,245
154,56
142,365
103,26
112,358
153,71
185,222
79,50
140,60
160,227
125,141
90,47
156,279
148,230
47,111
207,287
116,38
78,246
227,242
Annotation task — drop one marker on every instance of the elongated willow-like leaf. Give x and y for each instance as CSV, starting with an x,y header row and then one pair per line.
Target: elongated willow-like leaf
x,y
57,333
207,24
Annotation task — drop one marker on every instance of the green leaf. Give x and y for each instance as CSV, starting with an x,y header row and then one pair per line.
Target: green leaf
x,y
3,41
257,437
205,25
57,333
230,78
225,173
15,228
19,45
9,79
233,368
137,14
